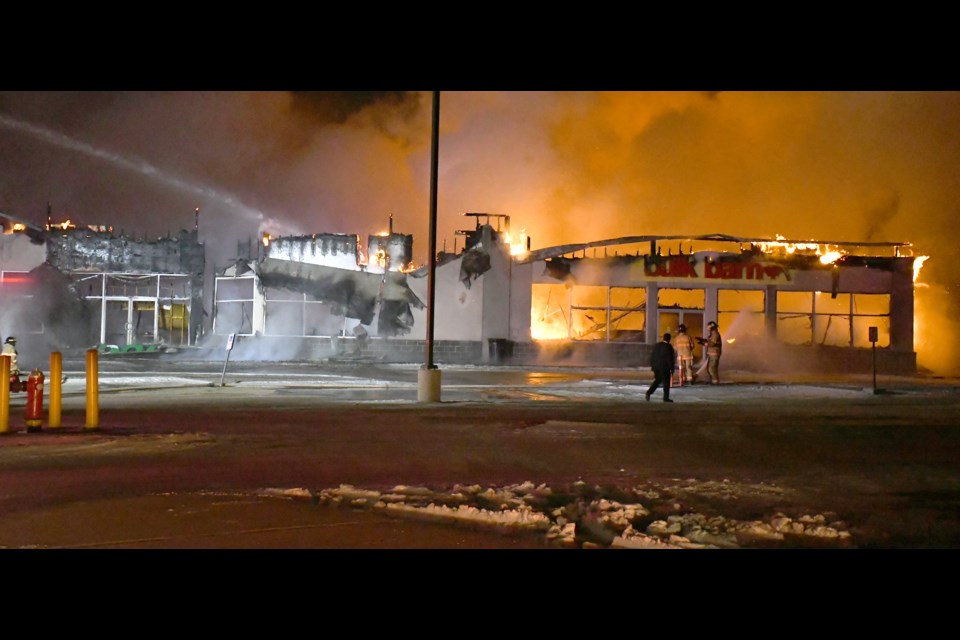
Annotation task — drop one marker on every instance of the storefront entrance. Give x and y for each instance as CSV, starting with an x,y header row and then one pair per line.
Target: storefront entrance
x,y
692,318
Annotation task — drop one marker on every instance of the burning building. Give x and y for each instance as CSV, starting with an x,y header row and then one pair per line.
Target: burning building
x,y
68,286
317,286
329,297
781,304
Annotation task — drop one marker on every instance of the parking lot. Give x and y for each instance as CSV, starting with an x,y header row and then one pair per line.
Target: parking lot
x,y
180,460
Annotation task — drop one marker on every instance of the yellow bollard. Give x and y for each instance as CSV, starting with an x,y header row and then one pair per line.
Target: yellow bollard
x,y
54,416
93,401
4,394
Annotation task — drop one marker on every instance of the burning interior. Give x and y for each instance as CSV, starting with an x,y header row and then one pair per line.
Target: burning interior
x,y
763,293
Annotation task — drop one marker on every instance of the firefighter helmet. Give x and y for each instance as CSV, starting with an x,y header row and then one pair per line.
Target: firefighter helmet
x,y
11,340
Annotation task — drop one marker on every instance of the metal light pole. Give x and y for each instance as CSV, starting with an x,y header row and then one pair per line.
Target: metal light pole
x,y
428,378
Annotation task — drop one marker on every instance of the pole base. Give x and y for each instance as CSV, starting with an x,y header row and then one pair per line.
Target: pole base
x,y
428,385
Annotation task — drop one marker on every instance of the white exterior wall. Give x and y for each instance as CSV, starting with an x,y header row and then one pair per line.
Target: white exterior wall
x,y
521,299
324,250
18,253
459,310
496,292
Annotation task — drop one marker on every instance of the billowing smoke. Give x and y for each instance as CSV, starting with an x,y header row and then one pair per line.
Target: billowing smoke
x,y
566,166
45,312
854,166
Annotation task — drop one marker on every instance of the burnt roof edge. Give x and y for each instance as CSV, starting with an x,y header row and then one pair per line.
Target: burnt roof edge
x,y
559,250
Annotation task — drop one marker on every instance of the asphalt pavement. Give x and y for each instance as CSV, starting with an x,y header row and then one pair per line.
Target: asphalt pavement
x,y
189,456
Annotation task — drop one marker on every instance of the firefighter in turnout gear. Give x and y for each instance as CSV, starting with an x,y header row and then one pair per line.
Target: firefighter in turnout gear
x,y
683,344
10,349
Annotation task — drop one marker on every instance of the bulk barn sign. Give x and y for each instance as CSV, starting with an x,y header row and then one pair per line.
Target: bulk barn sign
x,y
688,267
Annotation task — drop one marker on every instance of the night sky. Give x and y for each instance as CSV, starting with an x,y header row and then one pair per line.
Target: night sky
x,y
565,166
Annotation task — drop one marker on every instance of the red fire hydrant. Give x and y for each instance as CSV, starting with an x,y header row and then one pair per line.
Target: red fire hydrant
x,y
34,413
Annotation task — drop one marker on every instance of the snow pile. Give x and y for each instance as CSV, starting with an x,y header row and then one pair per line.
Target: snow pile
x,y
295,494
582,516
522,518
694,530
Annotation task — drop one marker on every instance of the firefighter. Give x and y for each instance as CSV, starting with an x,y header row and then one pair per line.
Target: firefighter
x,y
684,345
10,349
713,348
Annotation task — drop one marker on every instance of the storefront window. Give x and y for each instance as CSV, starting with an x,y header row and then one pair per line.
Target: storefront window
x,y
585,312
841,320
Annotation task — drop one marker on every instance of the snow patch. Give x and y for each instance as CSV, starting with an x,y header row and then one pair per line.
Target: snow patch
x,y
584,516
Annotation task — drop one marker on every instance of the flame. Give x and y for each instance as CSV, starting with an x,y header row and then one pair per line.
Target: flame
x,y
828,254
548,326
549,316
381,258
548,320
520,246
731,340
830,257
779,246
917,265
266,239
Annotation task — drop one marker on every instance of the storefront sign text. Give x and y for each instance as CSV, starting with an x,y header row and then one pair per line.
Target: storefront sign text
x,y
687,267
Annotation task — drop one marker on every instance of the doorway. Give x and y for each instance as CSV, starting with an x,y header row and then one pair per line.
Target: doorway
x,y
668,322
130,321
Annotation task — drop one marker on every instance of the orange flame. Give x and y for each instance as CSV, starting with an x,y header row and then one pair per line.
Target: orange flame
x,y
828,254
830,257
917,265
548,317
520,246
546,325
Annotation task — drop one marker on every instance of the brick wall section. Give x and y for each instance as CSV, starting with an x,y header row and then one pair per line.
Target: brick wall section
x,y
602,354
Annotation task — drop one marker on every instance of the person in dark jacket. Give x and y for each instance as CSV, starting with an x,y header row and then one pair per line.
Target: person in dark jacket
x,y
663,361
